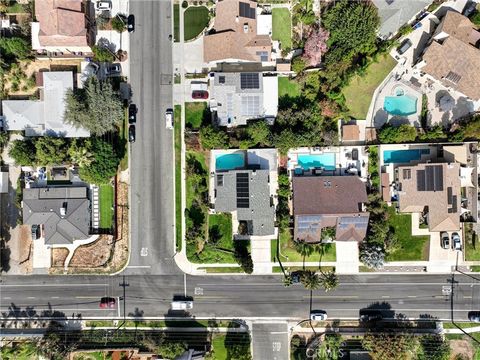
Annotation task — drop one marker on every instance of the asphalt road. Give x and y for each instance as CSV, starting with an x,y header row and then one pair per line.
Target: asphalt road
x,y
243,297
270,341
151,156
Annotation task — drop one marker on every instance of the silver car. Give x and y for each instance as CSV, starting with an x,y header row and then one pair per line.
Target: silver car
x,y
456,242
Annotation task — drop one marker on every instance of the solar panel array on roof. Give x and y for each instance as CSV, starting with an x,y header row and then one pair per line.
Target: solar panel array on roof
x,y
449,195
453,77
246,11
249,81
306,221
430,179
250,105
359,222
243,191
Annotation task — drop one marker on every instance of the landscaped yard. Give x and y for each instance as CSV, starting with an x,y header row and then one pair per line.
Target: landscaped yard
x,y
287,87
194,113
219,351
176,22
106,206
178,176
289,254
472,247
195,19
358,94
220,230
410,247
282,27
191,181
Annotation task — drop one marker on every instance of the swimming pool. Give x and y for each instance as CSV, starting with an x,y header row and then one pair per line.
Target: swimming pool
x,y
326,161
400,104
230,161
403,156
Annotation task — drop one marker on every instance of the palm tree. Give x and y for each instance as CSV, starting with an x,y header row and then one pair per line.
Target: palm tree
x,y
287,280
329,280
311,280
304,249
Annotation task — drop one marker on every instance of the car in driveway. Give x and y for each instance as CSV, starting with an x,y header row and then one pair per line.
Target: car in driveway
x,y
169,119
107,303
199,94
445,240
474,316
132,113
103,5
35,232
404,46
131,133
113,70
131,23
318,315
456,242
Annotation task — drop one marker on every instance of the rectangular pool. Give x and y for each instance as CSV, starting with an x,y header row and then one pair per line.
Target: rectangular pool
x,y
327,161
230,161
403,156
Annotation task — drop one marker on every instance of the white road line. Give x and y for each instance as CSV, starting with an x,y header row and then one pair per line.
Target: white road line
x,y
385,297
7,298
55,297
412,296
86,297
185,284
467,297
31,297
50,285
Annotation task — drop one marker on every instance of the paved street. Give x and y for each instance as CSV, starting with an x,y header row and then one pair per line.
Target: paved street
x,y
270,341
151,158
244,297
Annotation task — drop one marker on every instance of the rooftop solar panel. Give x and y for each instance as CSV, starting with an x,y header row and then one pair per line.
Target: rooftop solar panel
x,y
449,195
243,191
420,180
246,11
249,81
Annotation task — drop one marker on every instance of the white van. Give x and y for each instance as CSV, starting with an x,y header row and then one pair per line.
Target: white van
x,y
182,305
169,119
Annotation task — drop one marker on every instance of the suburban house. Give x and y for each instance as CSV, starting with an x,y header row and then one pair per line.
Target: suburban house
x,y
244,184
44,116
238,97
453,57
235,35
64,28
64,213
322,202
396,13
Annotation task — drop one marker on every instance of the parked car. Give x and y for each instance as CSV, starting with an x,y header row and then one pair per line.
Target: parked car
x,y
131,133
318,315
107,303
132,113
199,94
113,70
131,23
456,242
169,119
182,305
470,9
103,5
296,277
445,240
404,46
35,231
474,316
370,315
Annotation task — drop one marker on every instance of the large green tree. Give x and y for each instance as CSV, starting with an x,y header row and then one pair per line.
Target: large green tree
x,y
212,138
404,133
384,346
51,150
104,165
96,107
14,48
23,152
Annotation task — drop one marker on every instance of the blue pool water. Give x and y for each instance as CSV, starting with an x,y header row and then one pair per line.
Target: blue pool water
x,y
400,105
326,161
230,161
403,156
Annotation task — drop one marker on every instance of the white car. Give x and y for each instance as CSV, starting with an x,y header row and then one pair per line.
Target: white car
x,y
182,305
169,119
103,5
456,242
318,315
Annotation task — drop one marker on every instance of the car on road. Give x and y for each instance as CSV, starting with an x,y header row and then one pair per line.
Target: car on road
x,y
107,303
131,23
35,231
456,242
103,5
370,315
296,277
131,133
132,113
182,305
318,315
445,240
199,94
169,119
474,316
113,70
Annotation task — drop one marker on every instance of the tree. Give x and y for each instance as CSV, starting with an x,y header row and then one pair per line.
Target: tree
x,y
171,349
119,23
384,346
237,345
330,348
105,163
51,150
96,107
329,280
80,152
303,248
259,133
102,54
212,138
4,137
372,255
304,10
298,65
397,134
434,347
23,152
315,46
311,280
14,48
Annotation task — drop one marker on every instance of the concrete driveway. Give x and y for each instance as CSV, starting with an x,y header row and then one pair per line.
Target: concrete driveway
x,y
347,257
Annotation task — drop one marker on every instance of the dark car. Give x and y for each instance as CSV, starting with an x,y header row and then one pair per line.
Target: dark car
x,y
370,315
474,316
296,277
131,133
113,70
445,241
131,23
35,231
132,114
107,303
199,94
404,46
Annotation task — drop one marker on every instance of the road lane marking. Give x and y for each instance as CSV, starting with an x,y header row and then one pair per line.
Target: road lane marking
x,y
50,285
332,297
385,297
7,298
86,297
467,297
55,297
185,284
31,297
412,296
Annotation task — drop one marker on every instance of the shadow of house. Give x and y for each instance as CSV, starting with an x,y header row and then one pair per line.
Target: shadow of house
x,y
422,44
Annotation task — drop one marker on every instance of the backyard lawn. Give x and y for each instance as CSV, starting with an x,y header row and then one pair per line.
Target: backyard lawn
x,y
195,19
178,176
282,27
472,247
358,94
176,22
194,113
287,87
410,247
106,206
289,254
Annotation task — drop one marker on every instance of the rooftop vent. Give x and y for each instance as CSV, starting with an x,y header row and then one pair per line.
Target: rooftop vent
x,y
245,28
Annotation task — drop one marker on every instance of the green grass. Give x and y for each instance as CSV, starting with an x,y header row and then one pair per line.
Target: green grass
x,y
219,351
15,8
191,194
475,268
472,247
96,355
282,27
462,325
410,247
195,19
99,323
194,112
358,93
221,226
278,269
228,269
178,175
176,22
287,87
106,206
289,253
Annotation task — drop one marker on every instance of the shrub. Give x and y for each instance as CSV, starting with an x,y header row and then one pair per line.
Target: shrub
x,y
119,23
102,54
212,138
184,4
397,134
298,64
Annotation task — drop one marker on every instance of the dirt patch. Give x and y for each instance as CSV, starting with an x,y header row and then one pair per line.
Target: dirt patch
x,y
59,255
17,258
93,255
463,348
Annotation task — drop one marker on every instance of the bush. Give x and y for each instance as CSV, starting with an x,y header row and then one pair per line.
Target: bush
x,y
397,134
51,150
298,64
104,165
184,4
23,152
119,23
212,138
14,48
102,54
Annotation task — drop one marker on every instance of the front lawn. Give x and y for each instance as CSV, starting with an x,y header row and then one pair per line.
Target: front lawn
x,y
176,22
178,175
195,19
191,181
194,114
282,27
289,254
220,230
472,247
287,87
219,351
358,93
106,206
409,247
